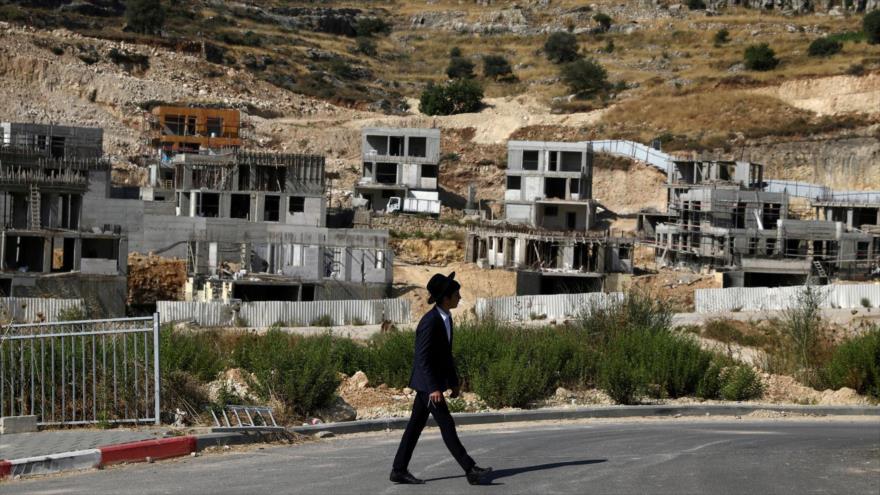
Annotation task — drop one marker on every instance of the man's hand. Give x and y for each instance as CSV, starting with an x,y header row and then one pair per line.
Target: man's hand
x,y
436,396
456,391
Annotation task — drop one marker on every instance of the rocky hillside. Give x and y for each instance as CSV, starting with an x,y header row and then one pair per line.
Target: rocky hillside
x,y
309,77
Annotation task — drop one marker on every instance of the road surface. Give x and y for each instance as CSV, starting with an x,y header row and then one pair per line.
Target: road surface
x,y
664,456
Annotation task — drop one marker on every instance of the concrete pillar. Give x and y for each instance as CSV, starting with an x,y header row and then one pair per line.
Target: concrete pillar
x,y
47,254
77,254
567,256
877,222
849,218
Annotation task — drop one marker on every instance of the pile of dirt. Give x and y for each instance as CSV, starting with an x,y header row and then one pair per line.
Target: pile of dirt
x,y
676,287
785,389
153,278
410,282
439,252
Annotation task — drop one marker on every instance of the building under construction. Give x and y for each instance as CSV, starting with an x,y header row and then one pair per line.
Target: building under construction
x,y
50,248
719,215
546,234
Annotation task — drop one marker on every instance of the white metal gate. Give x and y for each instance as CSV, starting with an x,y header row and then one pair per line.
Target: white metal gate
x,y
81,372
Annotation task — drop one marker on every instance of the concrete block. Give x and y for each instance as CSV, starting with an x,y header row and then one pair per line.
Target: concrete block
x,y
18,424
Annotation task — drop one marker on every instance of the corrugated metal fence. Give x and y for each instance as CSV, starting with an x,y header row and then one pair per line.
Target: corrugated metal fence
x,y
288,313
35,309
777,298
525,308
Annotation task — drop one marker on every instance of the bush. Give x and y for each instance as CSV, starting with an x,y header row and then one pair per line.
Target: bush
x,y
865,302
696,5
856,364
512,380
561,47
855,70
741,383
609,46
604,21
585,77
144,16
73,313
458,96
824,47
460,68
366,46
721,36
197,353
298,371
801,325
369,26
391,358
129,60
498,68
760,57
871,27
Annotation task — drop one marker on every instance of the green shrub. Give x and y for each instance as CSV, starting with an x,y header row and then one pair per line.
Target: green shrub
x,y
369,26
609,46
865,302
721,36
741,383
349,356
760,57
73,313
460,68
585,77
802,323
824,47
856,364
710,384
458,96
604,21
498,68
696,5
298,371
144,16
391,358
514,379
322,321
561,47
871,27
617,375
855,70
366,46
197,353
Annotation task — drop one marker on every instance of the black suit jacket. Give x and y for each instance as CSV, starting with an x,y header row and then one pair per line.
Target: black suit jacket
x,y
433,366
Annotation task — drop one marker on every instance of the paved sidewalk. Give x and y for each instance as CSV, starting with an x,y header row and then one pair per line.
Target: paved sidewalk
x,y
19,445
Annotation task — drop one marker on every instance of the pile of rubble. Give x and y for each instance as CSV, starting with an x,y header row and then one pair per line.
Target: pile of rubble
x,y
153,278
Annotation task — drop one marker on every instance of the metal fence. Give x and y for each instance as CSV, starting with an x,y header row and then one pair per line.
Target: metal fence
x,y
288,313
779,298
525,308
35,309
81,372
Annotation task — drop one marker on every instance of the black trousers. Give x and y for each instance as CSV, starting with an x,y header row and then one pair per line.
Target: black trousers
x,y
421,407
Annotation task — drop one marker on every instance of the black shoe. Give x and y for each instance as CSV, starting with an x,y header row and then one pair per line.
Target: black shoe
x,y
474,476
405,478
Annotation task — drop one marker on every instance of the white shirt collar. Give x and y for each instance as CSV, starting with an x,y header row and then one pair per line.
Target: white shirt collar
x,y
443,314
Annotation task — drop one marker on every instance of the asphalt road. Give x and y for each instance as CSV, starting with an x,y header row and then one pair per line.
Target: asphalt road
x,y
671,456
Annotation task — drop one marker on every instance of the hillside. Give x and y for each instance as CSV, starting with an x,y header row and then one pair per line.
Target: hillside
x,y
299,72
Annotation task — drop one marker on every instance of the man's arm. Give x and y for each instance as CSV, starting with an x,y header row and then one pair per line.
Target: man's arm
x,y
423,352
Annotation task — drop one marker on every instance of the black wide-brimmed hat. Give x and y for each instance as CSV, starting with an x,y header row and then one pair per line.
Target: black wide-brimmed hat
x,y
441,286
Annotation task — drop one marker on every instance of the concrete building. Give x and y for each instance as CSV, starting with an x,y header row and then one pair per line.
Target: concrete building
x,y
545,234
402,163
719,216
48,247
549,185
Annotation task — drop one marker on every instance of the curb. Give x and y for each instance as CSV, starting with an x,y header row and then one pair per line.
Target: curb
x,y
165,448
372,425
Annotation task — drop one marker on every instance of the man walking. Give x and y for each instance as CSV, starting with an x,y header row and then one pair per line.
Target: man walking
x,y
433,373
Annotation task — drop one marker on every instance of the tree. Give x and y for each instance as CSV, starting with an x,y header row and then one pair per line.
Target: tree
x,y
497,67
824,47
368,26
721,36
871,27
561,47
585,77
604,21
144,16
457,96
460,68
366,46
760,57
696,5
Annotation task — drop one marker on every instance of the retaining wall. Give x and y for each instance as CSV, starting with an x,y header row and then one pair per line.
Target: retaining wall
x,y
525,308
